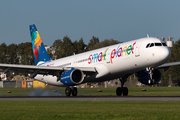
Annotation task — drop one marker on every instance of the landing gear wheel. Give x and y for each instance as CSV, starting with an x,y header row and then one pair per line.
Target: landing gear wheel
x,y
125,91
122,90
74,91
68,91
119,91
149,82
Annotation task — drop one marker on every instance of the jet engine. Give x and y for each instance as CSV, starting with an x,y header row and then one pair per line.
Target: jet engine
x,y
72,77
144,77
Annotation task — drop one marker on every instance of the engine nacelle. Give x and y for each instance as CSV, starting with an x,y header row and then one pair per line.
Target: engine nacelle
x,y
72,77
143,77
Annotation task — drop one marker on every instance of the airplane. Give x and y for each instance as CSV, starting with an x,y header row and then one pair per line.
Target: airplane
x,y
144,57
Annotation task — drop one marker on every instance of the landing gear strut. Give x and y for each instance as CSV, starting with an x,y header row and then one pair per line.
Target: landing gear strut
x,y
122,90
150,75
71,90
74,91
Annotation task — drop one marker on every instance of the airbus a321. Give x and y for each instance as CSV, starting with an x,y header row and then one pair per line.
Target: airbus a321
x,y
144,57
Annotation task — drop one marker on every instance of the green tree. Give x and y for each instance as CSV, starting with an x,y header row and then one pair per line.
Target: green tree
x,y
3,53
57,48
51,52
173,72
28,54
79,46
106,42
24,53
92,42
63,48
175,56
66,47
12,54
95,44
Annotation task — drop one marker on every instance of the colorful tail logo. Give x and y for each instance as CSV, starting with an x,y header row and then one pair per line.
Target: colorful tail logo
x,y
39,50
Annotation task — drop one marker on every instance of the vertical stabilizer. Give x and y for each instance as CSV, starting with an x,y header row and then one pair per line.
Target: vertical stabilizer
x,y
39,51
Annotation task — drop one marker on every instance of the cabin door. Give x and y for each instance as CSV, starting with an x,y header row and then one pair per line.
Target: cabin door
x,y
137,48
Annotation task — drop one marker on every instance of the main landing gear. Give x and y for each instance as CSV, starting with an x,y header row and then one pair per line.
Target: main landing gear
x,y
71,90
122,90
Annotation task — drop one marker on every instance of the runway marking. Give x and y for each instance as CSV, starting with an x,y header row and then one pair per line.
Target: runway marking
x,y
90,98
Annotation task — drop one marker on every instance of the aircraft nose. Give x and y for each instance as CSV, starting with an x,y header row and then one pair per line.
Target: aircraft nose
x,y
165,54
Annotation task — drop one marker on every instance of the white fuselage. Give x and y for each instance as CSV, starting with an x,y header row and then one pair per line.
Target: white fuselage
x,y
114,61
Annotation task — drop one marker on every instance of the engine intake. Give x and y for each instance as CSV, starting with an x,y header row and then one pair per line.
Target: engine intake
x,y
72,77
143,77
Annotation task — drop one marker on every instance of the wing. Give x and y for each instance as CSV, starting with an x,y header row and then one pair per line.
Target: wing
x,y
45,70
167,65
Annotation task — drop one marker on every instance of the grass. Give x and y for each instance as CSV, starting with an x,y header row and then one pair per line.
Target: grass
x,y
94,110
133,91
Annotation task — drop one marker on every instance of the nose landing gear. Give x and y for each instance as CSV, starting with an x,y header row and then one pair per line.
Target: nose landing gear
x,y
150,76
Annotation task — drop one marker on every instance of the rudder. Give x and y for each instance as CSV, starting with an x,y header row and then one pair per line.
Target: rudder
x,y
39,51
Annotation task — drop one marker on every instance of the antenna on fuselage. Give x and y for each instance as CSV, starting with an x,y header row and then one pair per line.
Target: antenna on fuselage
x,y
147,36
85,49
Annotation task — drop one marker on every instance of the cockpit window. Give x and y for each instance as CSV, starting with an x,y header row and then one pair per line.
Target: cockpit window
x,y
158,44
152,44
155,44
164,44
147,45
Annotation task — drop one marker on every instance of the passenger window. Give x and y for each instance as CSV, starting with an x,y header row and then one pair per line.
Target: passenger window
x,y
147,45
158,44
152,44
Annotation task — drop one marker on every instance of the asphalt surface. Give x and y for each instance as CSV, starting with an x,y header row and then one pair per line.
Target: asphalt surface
x,y
90,98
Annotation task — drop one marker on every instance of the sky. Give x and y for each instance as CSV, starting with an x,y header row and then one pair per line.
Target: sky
x,y
121,20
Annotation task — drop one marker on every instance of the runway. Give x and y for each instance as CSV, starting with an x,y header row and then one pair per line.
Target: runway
x,y
90,98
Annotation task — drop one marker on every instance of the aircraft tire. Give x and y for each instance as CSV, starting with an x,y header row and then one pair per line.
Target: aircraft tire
x,y
125,91
119,91
68,91
74,91
149,81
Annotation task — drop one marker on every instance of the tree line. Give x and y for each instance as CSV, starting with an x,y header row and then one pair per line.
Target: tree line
x,y
173,73
22,53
